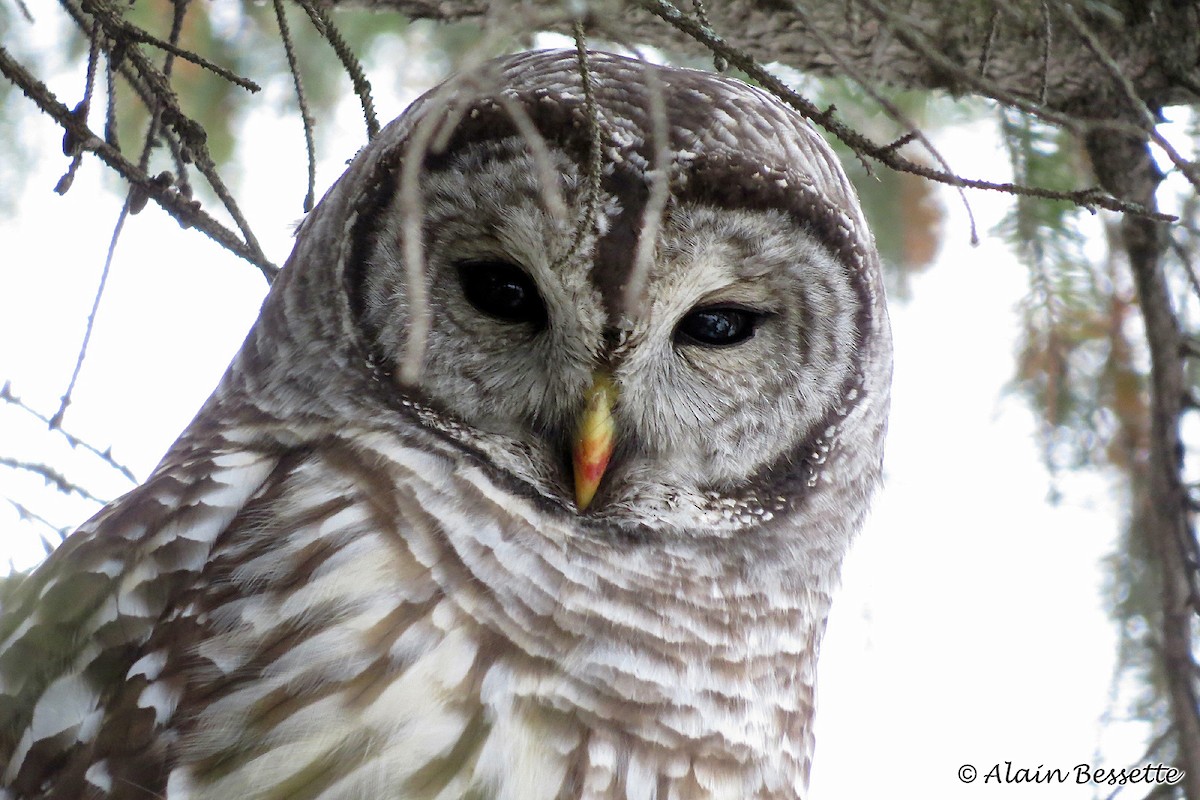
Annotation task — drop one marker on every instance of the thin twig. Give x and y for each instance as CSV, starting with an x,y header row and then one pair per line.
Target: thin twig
x,y
208,169
137,34
595,163
71,147
110,104
81,356
474,73
134,200
919,42
191,134
1189,269
305,116
915,40
362,87
985,53
186,211
656,203
1047,35
719,63
543,161
32,516
7,396
50,476
116,63
85,106
410,205
1128,90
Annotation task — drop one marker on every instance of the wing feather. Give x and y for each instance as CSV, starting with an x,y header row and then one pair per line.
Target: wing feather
x,y
80,620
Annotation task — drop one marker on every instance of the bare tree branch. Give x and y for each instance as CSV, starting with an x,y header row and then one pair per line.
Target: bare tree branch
x,y
164,107
25,513
305,115
1125,166
185,210
1136,105
105,455
362,87
52,477
885,154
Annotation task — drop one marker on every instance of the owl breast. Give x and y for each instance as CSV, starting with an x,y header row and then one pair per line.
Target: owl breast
x,y
475,652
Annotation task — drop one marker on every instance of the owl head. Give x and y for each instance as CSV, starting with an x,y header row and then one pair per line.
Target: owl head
x,y
655,309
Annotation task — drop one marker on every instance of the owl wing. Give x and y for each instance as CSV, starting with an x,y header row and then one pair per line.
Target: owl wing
x,y
70,631
287,624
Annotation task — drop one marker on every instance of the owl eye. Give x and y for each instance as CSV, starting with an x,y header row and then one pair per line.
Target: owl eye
x,y
718,326
503,291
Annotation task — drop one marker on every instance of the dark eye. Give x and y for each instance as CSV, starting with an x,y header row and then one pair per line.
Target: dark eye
x,y
502,290
718,326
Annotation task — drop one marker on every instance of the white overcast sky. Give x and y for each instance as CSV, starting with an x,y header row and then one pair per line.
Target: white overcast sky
x,y
970,628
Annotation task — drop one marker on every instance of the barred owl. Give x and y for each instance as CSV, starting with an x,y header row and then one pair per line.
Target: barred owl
x,y
584,550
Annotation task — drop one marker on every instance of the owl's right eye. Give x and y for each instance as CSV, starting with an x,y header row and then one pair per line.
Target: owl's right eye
x,y
503,291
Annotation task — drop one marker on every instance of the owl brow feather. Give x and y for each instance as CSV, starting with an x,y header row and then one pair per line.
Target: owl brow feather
x,y
473,75
306,118
542,162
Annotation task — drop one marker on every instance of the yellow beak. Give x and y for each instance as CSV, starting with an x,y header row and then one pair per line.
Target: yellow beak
x,y
594,438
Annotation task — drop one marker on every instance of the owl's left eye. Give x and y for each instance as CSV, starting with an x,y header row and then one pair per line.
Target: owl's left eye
x,y
718,326
503,291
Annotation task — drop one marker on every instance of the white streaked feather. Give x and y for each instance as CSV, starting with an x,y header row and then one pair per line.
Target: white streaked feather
x,y
641,777
18,755
417,640
428,683
99,776
402,753
63,706
150,665
162,698
601,765
722,783
303,740
526,752
90,726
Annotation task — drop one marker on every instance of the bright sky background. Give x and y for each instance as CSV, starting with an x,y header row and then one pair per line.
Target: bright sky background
x,y
970,629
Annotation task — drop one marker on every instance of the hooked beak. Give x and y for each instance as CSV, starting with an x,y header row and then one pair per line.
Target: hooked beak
x,y
593,445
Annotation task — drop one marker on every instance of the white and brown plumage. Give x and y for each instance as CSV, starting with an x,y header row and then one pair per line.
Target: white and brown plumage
x,y
339,584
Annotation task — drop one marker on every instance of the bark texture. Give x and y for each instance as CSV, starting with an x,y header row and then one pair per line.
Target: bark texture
x,y
1027,50
1126,168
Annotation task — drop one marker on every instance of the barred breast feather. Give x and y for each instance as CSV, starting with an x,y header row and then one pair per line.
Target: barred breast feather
x,y
380,620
